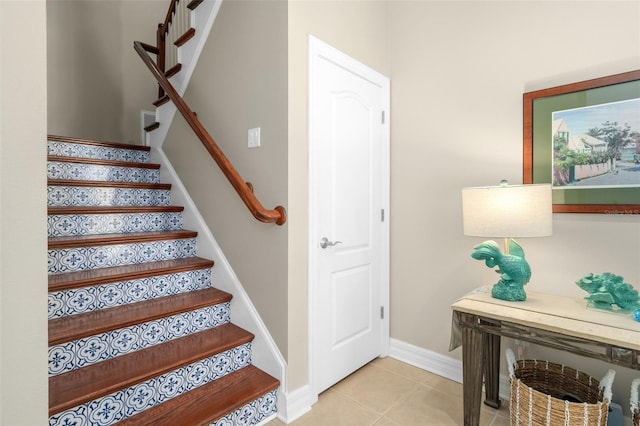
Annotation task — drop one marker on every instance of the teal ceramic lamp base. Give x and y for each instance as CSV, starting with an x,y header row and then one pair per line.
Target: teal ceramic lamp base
x,y
508,291
513,269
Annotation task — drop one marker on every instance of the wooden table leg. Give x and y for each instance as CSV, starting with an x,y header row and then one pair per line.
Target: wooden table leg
x,y
472,343
491,369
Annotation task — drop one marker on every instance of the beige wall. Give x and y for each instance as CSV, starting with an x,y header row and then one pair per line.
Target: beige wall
x,y
23,237
241,83
457,84
358,29
458,71
97,84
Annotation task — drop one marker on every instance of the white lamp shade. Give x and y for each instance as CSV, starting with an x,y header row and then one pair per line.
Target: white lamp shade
x,y
507,211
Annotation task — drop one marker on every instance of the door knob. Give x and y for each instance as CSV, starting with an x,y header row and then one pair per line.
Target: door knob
x,y
324,243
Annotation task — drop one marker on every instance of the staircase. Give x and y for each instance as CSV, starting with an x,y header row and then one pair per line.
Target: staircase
x,y
138,335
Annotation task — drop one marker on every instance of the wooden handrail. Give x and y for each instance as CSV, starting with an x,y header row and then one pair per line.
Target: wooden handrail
x,y
244,189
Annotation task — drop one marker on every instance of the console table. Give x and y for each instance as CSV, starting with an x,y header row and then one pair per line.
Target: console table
x,y
558,322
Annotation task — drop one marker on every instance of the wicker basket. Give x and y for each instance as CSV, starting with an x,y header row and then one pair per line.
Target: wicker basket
x,y
635,402
545,393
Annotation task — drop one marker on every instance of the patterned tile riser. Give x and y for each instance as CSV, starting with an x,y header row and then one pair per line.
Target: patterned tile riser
x,y
78,196
65,149
79,171
94,224
85,258
125,403
101,347
252,413
77,301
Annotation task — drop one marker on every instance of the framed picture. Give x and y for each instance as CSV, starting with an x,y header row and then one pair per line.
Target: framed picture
x,y
584,139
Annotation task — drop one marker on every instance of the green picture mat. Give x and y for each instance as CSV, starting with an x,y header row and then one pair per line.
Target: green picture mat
x,y
542,145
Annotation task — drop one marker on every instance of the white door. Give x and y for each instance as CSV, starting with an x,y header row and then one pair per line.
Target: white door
x,y
349,197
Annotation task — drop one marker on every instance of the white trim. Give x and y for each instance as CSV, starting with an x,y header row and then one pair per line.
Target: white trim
x,y
439,364
433,362
202,19
265,352
317,49
297,403
144,122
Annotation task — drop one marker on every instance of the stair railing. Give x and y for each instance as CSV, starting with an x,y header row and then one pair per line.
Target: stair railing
x,y
244,189
176,24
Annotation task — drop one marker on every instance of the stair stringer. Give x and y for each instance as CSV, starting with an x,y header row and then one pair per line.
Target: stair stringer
x,y
202,19
265,352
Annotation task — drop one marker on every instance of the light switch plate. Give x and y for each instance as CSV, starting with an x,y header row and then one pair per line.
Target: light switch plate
x,y
254,138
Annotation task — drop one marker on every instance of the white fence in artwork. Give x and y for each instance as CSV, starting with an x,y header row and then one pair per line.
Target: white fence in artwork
x,y
589,170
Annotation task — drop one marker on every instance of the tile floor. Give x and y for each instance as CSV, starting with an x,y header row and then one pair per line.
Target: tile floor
x,y
388,392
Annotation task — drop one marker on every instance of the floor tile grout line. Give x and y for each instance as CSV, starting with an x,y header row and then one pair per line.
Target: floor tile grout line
x,y
416,386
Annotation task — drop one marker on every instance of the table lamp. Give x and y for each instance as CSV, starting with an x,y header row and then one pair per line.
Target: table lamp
x,y
507,211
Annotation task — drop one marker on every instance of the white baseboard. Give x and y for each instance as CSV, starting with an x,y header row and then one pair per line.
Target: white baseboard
x,y
436,363
433,362
296,404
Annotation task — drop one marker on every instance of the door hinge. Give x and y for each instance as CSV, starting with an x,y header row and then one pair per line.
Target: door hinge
x,y
381,312
382,117
381,215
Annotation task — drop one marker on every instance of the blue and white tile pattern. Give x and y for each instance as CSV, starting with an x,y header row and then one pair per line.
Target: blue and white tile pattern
x,y
77,301
96,172
75,196
253,413
85,258
94,224
135,399
82,352
66,149
100,347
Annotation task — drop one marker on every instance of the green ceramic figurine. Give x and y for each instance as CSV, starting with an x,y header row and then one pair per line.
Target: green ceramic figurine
x,y
513,269
609,291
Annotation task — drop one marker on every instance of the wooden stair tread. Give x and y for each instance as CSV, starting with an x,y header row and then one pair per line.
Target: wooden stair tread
x,y
151,126
173,70
161,100
188,35
112,239
78,279
74,327
112,209
107,183
96,142
102,162
193,4
204,405
76,387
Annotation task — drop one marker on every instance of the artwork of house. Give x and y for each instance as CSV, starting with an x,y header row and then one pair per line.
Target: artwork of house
x,y
579,143
587,144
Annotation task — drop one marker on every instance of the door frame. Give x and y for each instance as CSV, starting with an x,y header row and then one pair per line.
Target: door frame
x,y
320,49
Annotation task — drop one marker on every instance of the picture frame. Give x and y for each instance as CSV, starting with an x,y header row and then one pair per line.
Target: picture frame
x,y
550,157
